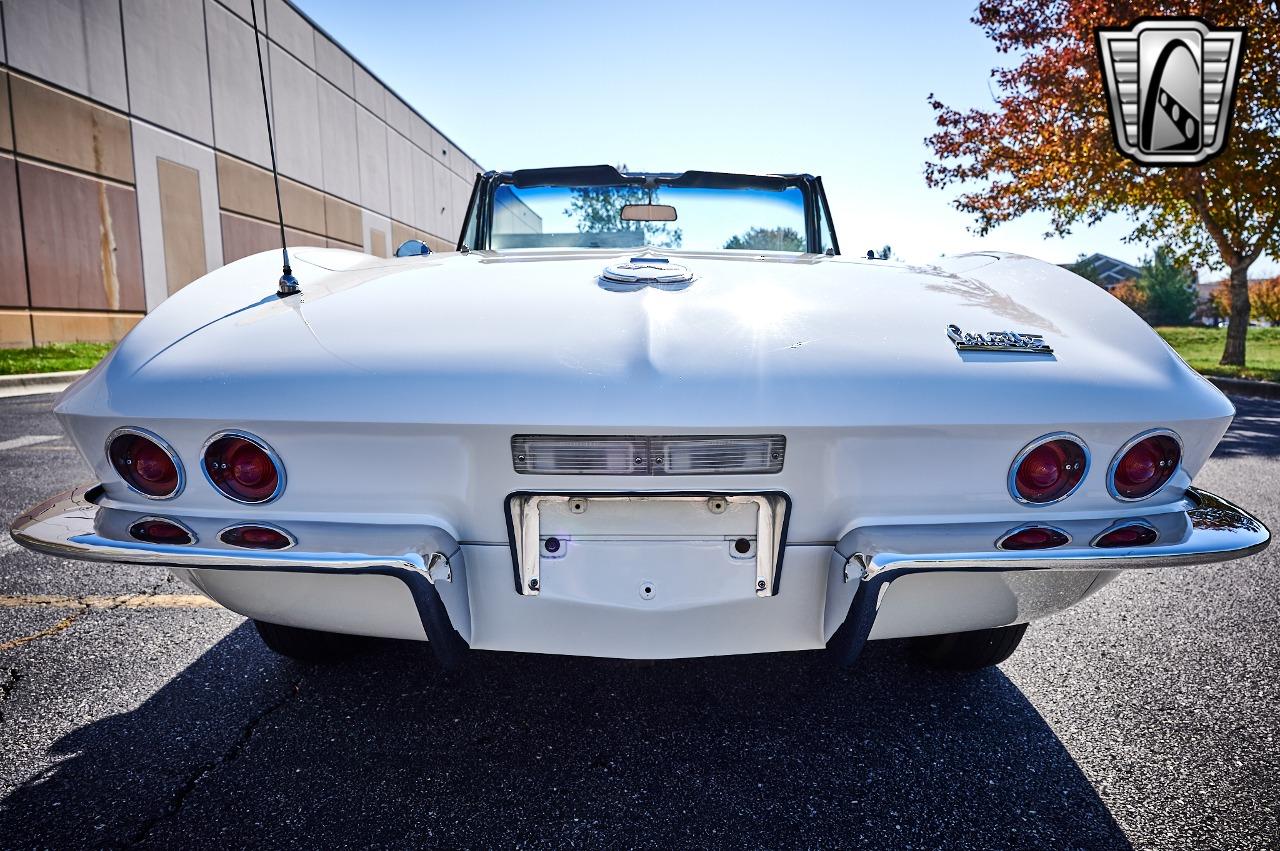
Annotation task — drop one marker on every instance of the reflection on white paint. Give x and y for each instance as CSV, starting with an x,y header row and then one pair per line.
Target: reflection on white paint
x,y
761,308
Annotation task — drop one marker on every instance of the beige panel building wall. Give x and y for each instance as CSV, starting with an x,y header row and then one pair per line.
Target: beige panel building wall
x,y
134,157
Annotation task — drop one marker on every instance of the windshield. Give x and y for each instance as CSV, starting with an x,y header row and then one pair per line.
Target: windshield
x,y
632,216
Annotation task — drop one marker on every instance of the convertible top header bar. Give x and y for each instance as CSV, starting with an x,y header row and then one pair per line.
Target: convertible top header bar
x,y
607,175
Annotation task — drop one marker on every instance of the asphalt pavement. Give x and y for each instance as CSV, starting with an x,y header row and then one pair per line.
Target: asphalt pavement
x,y
134,714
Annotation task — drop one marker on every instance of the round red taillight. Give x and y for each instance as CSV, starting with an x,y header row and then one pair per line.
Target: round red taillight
x,y
1131,534
147,464
252,537
156,530
243,467
1144,464
1048,469
1033,538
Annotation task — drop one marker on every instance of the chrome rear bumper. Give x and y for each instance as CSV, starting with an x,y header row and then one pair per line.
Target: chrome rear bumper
x,y
1208,529
72,525
429,560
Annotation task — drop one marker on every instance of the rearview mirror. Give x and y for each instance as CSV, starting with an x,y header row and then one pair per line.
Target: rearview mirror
x,y
648,213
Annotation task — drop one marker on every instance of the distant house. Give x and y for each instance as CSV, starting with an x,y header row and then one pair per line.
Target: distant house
x,y
1209,312
1204,289
1109,270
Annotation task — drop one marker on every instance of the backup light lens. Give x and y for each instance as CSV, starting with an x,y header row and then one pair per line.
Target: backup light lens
x,y
147,464
647,456
1049,469
584,456
1143,465
692,456
1127,535
243,468
256,537
1033,538
157,530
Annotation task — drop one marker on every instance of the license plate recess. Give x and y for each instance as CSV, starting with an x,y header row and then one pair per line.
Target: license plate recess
x,y
760,518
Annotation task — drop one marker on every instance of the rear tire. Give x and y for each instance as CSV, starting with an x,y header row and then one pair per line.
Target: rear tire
x,y
969,651
306,645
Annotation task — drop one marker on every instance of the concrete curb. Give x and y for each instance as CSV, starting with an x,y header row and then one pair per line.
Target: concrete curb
x,y
40,379
1245,387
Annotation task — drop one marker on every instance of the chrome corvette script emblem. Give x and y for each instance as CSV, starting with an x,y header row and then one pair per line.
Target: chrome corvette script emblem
x,y
998,341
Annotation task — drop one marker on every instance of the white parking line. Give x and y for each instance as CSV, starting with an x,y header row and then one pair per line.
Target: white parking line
x,y
29,440
32,390
101,601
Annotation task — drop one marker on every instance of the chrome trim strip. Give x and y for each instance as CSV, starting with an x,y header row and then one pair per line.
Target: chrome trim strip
x,y
1031,447
1132,442
1016,529
1125,521
524,515
256,441
158,441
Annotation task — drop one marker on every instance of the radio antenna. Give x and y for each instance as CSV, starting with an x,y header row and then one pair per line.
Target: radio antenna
x,y
288,283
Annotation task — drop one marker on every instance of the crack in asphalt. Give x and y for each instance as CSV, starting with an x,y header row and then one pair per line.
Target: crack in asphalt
x,y
44,633
83,605
204,770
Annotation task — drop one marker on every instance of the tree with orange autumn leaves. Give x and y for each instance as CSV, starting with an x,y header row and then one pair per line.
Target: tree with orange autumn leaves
x,y
1047,143
1264,299
1131,295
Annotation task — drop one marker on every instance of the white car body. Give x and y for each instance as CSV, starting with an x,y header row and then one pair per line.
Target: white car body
x,y
391,389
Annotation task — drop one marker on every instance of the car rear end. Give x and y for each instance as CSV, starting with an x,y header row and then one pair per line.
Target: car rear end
x,y
653,545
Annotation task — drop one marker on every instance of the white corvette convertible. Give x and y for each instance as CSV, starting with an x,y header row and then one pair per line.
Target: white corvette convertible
x,y
644,416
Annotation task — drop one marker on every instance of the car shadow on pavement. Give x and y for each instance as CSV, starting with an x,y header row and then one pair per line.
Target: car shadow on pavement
x,y
1255,430
781,750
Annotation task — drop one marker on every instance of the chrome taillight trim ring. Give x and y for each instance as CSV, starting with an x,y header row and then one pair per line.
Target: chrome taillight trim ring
x,y
1007,535
1120,524
164,447
288,536
1132,442
154,518
256,441
1011,479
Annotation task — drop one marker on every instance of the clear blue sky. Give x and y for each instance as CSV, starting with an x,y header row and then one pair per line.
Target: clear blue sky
x,y
837,89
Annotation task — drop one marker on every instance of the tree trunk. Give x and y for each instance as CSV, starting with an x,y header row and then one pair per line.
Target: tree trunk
x,y
1238,321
